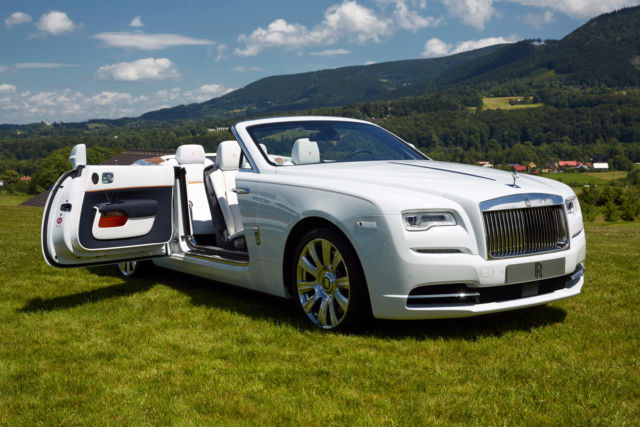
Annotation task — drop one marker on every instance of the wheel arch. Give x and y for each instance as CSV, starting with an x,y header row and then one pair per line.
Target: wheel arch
x,y
296,233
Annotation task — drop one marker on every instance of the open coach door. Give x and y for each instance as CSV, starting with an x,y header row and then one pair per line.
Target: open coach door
x,y
100,214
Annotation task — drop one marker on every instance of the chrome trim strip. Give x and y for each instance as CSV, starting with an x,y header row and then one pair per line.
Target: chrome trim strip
x,y
458,295
214,258
437,251
441,169
576,275
245,151
521,201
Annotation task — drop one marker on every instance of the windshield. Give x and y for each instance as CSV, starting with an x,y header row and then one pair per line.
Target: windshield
x,y
295,143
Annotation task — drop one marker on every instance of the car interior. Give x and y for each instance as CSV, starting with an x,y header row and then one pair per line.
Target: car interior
x,y
213,221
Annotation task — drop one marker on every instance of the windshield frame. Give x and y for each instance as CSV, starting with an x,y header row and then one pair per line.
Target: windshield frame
x,y
287,123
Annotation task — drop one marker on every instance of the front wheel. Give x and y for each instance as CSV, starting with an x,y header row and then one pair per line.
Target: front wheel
x,y
328,283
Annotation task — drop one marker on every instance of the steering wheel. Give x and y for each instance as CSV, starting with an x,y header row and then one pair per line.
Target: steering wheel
x,y
358,151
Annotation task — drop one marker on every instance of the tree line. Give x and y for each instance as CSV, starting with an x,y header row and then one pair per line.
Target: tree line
x,y
572,124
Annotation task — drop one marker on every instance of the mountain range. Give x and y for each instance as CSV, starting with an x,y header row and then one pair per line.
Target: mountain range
x,y
603,52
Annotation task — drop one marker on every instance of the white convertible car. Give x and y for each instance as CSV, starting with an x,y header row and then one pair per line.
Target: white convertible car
x,y
338,214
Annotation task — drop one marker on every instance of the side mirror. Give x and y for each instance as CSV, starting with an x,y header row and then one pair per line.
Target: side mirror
x,y
78,156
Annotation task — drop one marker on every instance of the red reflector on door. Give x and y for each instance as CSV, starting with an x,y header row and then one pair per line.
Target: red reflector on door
x,y
112,219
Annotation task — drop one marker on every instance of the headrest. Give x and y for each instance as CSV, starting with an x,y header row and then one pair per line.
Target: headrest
x,y
228,155
305,151
190,154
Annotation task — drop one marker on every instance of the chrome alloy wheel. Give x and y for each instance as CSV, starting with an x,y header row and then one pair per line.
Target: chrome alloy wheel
x,y
322,281
127,268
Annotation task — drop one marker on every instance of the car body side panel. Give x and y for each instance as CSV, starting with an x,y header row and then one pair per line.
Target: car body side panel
x,y
280,206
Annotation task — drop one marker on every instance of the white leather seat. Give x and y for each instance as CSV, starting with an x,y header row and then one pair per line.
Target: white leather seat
x,y
305,151
192,158
224,181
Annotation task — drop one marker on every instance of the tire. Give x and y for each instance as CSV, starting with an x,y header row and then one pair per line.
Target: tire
x,y
130,269
330,293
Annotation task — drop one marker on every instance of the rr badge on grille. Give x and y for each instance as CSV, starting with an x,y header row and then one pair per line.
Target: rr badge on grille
x,y
538,270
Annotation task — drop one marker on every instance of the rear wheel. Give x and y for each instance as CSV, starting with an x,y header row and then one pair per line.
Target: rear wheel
x,y
133,268
328,285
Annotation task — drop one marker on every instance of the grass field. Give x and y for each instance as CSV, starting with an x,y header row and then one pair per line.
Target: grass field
x,y
607,176
84,347
13,200
577,179
502,103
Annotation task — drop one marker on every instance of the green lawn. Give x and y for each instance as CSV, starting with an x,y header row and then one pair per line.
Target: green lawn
x,y
13,200
82,346
577,179
502,103
608,176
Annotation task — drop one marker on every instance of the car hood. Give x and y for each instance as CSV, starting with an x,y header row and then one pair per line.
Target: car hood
x,y
457,182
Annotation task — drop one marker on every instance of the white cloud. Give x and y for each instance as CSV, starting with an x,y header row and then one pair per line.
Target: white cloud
x,y
472,12
16,18
435,47
580,9
222,48
148,41
107,98
204,93
370,63
7,88
68,105
242,69
22,65
355,21
331,52
411,20
279,33
4,68
212,89
538,20
347,20
479,44
146,69
56,23
136,22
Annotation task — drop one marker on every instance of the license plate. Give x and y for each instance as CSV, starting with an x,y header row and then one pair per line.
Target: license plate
x,y
531,271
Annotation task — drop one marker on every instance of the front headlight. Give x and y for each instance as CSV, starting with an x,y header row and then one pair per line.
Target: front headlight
x,y
574,215
420,221
572,205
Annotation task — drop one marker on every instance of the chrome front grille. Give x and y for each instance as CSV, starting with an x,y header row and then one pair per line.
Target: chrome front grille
x,y
524,231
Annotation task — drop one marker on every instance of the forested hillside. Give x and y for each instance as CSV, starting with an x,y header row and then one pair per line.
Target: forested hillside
x,y
572,124
319,88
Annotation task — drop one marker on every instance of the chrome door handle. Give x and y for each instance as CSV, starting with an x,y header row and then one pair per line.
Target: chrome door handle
x,y
241,190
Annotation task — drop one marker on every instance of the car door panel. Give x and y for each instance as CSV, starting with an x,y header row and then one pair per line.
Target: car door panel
x,y
104,214
125,217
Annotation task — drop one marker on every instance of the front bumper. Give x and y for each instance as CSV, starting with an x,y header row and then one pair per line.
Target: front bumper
x,y
390,288
571,288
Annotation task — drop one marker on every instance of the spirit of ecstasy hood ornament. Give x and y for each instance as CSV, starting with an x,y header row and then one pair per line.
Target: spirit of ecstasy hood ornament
x,y
515,177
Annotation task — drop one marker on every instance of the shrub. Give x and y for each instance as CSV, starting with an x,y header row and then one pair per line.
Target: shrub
x,y
610,211
589,212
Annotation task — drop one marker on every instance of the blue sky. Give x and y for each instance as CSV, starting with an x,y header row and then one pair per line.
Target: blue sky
x,y
79,60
